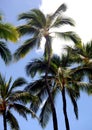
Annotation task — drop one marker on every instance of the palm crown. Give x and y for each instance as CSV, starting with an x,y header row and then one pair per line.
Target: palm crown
x,y
38,26
11,98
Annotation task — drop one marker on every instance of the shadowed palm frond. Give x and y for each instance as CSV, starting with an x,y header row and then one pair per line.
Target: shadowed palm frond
x,y
46,109
12,120
69,36
35,15
61,8
60,21
25,48
5,53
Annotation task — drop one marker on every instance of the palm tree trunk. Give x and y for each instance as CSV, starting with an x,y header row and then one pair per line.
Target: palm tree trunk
x,y
64,109
4,120
54,116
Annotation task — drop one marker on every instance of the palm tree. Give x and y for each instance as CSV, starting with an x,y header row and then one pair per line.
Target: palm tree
x,y
7,32
39,26
13,99
61,76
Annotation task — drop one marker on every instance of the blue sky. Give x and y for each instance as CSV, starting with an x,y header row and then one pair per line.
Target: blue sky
x,y
11,9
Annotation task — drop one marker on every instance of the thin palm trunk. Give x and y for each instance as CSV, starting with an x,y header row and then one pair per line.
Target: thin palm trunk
x,y
4,120
64,109
54,116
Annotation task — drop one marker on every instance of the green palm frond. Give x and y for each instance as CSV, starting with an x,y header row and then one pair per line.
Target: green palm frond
x,y
21,109
18,83
36,15
46,109
5,53
69,36
73,98
60,21
26,29
37,65
8,32
12,121
25,48
61,8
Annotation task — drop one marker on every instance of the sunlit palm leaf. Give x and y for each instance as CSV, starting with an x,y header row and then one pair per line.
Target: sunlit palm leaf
x,y
8,32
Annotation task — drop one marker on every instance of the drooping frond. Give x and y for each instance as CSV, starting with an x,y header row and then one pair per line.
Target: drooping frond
x,y
37,65
26,29
12,121
5,53
61,8
8,32
69,36
35,15
18,83
60,21
21,109
46,109
25,48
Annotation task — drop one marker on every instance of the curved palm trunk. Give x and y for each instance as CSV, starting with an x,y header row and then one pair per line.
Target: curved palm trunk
x,y
54,116
4,120
64,109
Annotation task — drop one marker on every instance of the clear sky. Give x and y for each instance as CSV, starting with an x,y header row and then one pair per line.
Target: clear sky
x,y
80,11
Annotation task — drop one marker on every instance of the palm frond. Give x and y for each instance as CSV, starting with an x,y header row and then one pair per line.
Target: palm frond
x,y
8,32
18,83
37,65
12,121
35,15
73,100
26,29
46,109
69,36
61,8
5,53
25,48
21,109
60,21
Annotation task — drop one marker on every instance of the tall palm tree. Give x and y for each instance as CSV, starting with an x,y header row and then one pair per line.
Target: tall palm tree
x,y
12,98
7,32
61,76
39,26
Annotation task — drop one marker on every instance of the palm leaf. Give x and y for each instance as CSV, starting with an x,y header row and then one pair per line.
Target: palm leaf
x,y
26,29
69,36
8,32
5,53
36,15
21,109
61,8
12,121
25,48
46,109
60,21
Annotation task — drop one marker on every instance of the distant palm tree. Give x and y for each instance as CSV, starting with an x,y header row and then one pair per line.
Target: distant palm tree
x,y
7,32
11,98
